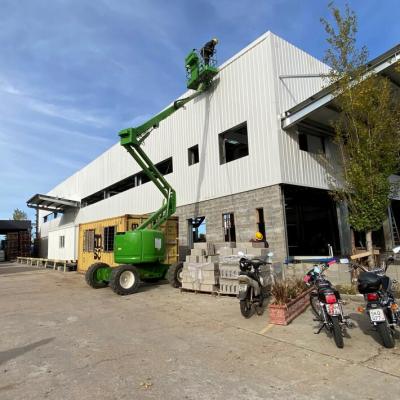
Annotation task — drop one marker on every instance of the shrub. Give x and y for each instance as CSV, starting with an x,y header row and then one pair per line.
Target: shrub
x,y
284,291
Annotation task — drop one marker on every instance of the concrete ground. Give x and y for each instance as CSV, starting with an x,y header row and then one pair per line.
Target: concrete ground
x,y
62,340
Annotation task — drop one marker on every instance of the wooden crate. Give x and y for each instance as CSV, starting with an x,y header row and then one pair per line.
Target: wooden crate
x,y
88,256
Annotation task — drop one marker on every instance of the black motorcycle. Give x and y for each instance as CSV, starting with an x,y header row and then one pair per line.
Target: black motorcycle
x,y
253,282
381,306
326,303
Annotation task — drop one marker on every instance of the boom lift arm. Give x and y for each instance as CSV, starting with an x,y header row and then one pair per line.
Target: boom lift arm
x,y
199,78
141,253
132,139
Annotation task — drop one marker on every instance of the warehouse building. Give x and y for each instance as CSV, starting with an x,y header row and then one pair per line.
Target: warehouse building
x,y
248,155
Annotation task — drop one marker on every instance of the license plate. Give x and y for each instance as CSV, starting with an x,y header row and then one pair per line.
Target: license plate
x,y
377,315
242,287
333,309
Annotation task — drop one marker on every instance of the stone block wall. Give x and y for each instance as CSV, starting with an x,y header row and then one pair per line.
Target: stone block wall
x,y
243,206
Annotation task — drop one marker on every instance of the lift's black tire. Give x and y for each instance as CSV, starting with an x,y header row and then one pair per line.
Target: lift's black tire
x,y
337,332
246,308
174,275
125,279
90,276
386,334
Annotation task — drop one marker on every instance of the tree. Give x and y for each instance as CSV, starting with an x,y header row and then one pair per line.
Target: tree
x,y
19,215
367,130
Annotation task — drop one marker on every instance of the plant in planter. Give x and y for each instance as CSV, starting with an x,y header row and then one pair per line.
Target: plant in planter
x,y
290,299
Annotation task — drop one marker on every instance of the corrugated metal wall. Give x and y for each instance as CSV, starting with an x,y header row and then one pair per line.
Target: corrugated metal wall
x,y
68,252
244,92
248,89
299,167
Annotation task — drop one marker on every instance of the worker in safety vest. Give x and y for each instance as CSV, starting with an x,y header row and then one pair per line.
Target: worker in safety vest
x,y
208,50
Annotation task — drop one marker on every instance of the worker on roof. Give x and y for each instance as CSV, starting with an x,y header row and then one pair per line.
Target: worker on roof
x,y
208,50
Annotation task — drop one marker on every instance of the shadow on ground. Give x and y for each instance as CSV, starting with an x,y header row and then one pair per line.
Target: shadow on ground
x,y
19,351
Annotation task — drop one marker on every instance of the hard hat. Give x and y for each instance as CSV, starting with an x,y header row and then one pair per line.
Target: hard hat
x,y
259,236
215,40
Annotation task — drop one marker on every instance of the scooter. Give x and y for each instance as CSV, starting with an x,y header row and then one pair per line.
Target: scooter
x,y
381,306
326,303
253,283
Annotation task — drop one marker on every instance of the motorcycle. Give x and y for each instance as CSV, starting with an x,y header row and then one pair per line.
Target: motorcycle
x,y
326,303
381,306
253,282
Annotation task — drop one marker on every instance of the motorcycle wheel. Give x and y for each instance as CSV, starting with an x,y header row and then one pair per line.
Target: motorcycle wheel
x,y
386,335
337,332
315,306
245,308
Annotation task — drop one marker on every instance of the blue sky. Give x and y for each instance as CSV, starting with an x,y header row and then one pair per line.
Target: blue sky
x,y
75,72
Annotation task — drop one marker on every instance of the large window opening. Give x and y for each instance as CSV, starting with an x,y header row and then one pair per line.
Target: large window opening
x,y
228,224
164,167
233,144
311,221
193,155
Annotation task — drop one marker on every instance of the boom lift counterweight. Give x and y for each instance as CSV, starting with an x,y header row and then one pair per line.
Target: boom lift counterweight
x,y
142,251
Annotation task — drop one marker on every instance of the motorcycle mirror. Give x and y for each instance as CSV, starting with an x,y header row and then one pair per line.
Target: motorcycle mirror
x,y
344,261
317,270
240,253
396,249
270,254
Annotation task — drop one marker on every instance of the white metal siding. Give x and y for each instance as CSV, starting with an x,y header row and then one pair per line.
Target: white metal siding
x,y
244,92
299,167
68,252
248,89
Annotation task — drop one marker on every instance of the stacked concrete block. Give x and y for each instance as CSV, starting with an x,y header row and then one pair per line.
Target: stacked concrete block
x,y
200,276
229,272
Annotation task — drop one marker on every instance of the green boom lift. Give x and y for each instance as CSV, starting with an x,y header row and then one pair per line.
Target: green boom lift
x,y
141,252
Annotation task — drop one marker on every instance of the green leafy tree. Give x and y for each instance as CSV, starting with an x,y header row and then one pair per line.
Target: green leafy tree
x,y
367,130
19,215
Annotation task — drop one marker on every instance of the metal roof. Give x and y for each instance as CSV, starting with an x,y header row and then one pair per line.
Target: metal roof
x,y
51,203
9,226
325,98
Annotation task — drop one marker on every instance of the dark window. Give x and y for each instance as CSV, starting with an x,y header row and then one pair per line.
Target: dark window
x,y
109,233
88,240
311,143
233,144
228,223
164,167
303,142
193,154
260,221
61,242
311,221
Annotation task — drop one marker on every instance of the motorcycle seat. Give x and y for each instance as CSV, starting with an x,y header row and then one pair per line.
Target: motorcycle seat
x,y
257,263
325,289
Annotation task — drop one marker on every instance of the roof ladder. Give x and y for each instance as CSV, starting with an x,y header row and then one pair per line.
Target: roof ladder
x,y
393,227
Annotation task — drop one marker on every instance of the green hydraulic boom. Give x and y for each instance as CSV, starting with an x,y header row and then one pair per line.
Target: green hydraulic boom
x,y
142,251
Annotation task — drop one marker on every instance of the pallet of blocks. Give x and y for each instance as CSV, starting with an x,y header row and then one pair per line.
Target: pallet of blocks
x,y
200,270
